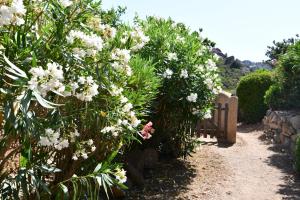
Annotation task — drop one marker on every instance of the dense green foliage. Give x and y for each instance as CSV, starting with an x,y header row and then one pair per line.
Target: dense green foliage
x,y
250,91
190,82
285,93
280,48
73,93
229,76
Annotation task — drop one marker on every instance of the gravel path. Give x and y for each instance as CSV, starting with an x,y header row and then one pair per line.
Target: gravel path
x,y
250,169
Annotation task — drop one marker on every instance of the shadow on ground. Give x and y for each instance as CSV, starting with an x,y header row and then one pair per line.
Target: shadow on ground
x,y
166,181
249,128
283,160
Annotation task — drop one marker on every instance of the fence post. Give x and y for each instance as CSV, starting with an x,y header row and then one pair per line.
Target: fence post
x,y
232,119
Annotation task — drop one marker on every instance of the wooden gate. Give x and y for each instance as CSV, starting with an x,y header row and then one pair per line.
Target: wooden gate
x,y
215,126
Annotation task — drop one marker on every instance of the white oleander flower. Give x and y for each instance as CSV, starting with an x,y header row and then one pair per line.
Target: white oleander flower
x,y
47,80
121,175
127,107
90,142
84,156
18,7
93,148
92,41
184,73
121,55
168,74
74,157
65,3
172,56
135,121
123,99
207,114
180,39
115,91
6,15
192,97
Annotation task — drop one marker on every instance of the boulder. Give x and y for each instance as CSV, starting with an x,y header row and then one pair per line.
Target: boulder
x,y
295,121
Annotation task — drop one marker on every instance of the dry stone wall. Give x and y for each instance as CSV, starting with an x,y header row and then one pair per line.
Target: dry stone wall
x,y
286,126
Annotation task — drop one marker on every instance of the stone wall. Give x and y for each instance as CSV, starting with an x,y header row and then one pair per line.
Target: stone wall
x,y
286,126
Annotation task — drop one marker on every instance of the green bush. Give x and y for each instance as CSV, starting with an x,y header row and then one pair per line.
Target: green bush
x,y
190,82
251,90
297,154
273,97
285,94
73,95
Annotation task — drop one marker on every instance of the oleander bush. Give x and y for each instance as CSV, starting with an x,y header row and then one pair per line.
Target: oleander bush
x,y
74,93
190,82
285,93
251,90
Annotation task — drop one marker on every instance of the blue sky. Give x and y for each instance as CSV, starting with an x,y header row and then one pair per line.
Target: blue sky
x,y
243,28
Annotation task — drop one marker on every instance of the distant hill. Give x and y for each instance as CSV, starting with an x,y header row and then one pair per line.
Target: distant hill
x,y
232,69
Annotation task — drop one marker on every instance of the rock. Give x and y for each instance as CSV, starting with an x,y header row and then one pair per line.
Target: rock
x,y
287,129
295,121
150,156
295,137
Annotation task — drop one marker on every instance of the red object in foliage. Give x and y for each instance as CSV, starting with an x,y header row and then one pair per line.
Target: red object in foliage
x,y
147,131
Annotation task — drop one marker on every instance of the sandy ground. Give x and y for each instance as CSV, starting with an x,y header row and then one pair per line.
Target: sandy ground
x,y
251,169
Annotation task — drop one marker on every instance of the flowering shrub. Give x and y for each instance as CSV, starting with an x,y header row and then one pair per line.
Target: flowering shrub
x,y
190,82
73,93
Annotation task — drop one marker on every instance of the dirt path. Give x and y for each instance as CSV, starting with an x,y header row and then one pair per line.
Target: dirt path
x,y
250,169
254,170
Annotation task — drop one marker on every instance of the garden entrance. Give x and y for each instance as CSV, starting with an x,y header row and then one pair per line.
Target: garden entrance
x,y
212,127
223,123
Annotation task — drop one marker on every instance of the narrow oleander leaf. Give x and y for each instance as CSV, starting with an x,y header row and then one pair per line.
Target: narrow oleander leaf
x,y
14,67
65,191
98,167
42,101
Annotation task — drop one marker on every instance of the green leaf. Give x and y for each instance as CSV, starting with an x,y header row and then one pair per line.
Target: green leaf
x,y
97,168
17,70
65,191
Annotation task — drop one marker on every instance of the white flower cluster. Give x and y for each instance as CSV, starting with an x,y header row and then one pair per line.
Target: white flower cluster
x,y
65,3
196,111
139,38
172,56
92,42
114,130
121,55
168,74
84,148
85,88
127,119
211,65
47,80
180,39
115,91
192,97
184,74
210,76
121,58
12,15
108,31
51,139
120,175
207,114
